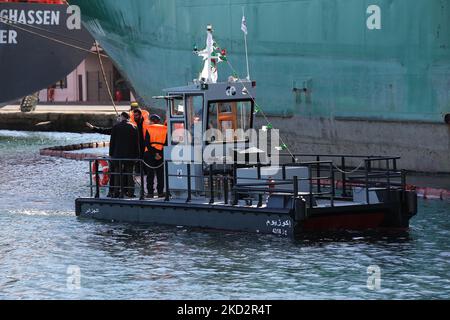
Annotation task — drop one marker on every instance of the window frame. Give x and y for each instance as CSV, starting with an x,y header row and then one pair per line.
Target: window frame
x,y
210,102
171,105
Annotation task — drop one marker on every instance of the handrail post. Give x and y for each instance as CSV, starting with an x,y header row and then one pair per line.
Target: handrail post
x,y
333,185
388,175
367,181
295,187
235,197
344,177
166,173
260,200
91,183
319,186
403,174
211,184
189,186
225,189
404,180
141,170
122,193
97,180
260,197
310,187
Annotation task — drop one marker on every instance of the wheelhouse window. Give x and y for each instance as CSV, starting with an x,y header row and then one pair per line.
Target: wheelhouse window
x,y
177,108
225,117
195,111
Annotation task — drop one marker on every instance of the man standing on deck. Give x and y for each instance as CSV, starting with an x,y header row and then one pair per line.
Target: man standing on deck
x,y
139,121
145,113
124,145
155,140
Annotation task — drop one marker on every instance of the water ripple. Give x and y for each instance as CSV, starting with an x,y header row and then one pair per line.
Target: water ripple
x,y
41,239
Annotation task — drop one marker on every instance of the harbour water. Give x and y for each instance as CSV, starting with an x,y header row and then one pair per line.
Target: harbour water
x,y
42,242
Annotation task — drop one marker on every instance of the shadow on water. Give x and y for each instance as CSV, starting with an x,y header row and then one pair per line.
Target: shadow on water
x,y
368,237
148,239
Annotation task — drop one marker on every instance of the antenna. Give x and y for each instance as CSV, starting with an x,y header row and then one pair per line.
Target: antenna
x,y
244,29
209,48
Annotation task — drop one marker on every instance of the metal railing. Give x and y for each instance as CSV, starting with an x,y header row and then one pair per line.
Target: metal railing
x,y
313,191
369,172
94,174
322,182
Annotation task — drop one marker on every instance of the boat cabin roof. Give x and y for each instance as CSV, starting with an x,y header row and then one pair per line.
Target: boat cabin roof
x,y
223,91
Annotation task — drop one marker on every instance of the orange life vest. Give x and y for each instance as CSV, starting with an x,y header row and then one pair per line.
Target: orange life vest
x,y
145,115
158,135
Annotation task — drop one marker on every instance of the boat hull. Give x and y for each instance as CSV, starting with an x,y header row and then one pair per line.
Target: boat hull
x,y
281,222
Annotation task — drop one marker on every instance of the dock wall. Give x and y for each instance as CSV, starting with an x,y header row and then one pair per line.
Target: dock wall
x,y
57,122
423,147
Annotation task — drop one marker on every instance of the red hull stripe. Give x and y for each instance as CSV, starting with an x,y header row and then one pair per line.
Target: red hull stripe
x,y
360,221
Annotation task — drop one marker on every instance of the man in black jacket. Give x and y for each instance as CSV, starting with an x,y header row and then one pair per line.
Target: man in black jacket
x,y
124,145
139,120
105,131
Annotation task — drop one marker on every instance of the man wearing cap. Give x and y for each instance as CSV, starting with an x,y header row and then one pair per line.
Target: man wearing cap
x,y
145,113
124,145
155,140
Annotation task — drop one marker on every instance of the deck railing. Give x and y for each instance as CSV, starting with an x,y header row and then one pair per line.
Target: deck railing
x,y
325,179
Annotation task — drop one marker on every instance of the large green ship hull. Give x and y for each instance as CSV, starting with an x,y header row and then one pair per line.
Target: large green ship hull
x,y
352,77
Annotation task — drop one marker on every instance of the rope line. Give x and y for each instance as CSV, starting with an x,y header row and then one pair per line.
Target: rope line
x,y
49,38
153,168
104,77
350,172
25,25
259,108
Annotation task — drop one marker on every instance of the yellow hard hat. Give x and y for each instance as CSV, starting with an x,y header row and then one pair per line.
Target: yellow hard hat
x,y
134,105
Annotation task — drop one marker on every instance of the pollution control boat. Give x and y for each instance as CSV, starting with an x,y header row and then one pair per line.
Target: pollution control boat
x,y
221,174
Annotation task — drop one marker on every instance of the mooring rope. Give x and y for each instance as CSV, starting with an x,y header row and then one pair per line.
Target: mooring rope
x,y
350,172
259,108
105,78
13,24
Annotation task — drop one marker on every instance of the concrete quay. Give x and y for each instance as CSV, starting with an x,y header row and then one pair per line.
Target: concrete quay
x,y
58,118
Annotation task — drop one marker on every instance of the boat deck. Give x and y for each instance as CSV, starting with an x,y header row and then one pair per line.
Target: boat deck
x,y
321,203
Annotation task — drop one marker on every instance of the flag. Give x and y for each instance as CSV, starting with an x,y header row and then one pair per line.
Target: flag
x,y
244,25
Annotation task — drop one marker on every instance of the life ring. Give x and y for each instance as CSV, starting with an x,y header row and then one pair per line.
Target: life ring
x,y
103,172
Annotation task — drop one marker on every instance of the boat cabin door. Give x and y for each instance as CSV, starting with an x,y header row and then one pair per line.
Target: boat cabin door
x,y
185,132
185,115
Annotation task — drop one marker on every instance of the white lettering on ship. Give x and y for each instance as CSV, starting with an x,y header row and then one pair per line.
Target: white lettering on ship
x,y
31,17
374,20
8,37
74,20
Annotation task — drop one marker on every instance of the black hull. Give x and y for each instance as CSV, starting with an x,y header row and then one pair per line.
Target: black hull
x,y
29,60
282,222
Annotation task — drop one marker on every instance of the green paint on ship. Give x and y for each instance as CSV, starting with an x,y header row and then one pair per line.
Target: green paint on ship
x,y
363,59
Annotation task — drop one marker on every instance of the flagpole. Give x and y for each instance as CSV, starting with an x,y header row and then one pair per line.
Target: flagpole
x,y
246,49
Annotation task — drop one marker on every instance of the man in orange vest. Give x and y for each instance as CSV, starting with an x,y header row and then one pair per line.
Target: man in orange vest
x,y
145,113
155,140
